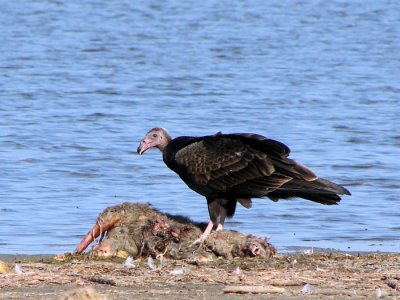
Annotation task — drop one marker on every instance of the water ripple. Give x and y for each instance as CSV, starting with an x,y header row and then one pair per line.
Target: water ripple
x,y
77,97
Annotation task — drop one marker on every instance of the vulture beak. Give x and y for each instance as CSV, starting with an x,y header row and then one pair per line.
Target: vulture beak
x,y
144,145
141,148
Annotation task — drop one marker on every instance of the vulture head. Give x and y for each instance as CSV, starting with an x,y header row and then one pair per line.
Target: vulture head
x,y
156,137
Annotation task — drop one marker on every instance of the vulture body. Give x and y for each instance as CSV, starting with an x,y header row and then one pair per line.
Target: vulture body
x,y
231,168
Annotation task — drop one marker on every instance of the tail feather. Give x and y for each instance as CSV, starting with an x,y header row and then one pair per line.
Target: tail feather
x,y
320,190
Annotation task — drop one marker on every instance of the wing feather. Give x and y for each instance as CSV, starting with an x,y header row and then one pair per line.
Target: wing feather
x,y
222,164
242,166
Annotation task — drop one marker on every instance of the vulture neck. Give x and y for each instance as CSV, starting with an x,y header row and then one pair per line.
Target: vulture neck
x,y
165,142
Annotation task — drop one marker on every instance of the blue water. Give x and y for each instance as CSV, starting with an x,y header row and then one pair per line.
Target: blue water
x,y
82,81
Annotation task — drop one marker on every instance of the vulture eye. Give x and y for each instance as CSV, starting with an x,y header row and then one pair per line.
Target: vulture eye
x,y
154,135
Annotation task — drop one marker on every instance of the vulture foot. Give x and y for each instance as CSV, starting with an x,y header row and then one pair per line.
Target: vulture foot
x,y
205,234
200,240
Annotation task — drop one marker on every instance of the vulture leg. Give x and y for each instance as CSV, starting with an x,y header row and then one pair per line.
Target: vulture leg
x,y
218,209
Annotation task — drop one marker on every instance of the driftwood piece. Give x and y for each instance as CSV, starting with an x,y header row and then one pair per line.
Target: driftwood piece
x,y
138,230
100,280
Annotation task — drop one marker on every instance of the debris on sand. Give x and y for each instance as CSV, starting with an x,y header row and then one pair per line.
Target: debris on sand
x,y
138,230
394,284
308,288
236,272
129,263
360,276
18,269
178,271
153,265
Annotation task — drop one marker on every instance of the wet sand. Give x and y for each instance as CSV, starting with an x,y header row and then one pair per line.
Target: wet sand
x,y
289,276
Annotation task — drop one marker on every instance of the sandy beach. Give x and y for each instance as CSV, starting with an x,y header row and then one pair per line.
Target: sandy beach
x,y
289,276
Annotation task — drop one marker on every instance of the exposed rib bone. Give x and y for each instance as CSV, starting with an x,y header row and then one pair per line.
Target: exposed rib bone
x,y
93,233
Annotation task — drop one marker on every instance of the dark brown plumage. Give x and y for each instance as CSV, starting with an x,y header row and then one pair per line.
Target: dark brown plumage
x,y
231,168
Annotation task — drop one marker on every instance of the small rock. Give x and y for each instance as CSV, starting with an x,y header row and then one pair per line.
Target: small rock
x,y
394,284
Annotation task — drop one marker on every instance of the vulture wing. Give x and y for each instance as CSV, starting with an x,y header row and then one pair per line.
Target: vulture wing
x,y
234,165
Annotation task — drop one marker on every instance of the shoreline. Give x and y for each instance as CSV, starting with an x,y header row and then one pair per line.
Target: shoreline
x,y
299,250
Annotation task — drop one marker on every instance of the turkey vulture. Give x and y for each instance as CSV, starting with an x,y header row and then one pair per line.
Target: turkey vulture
x,y
231,168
